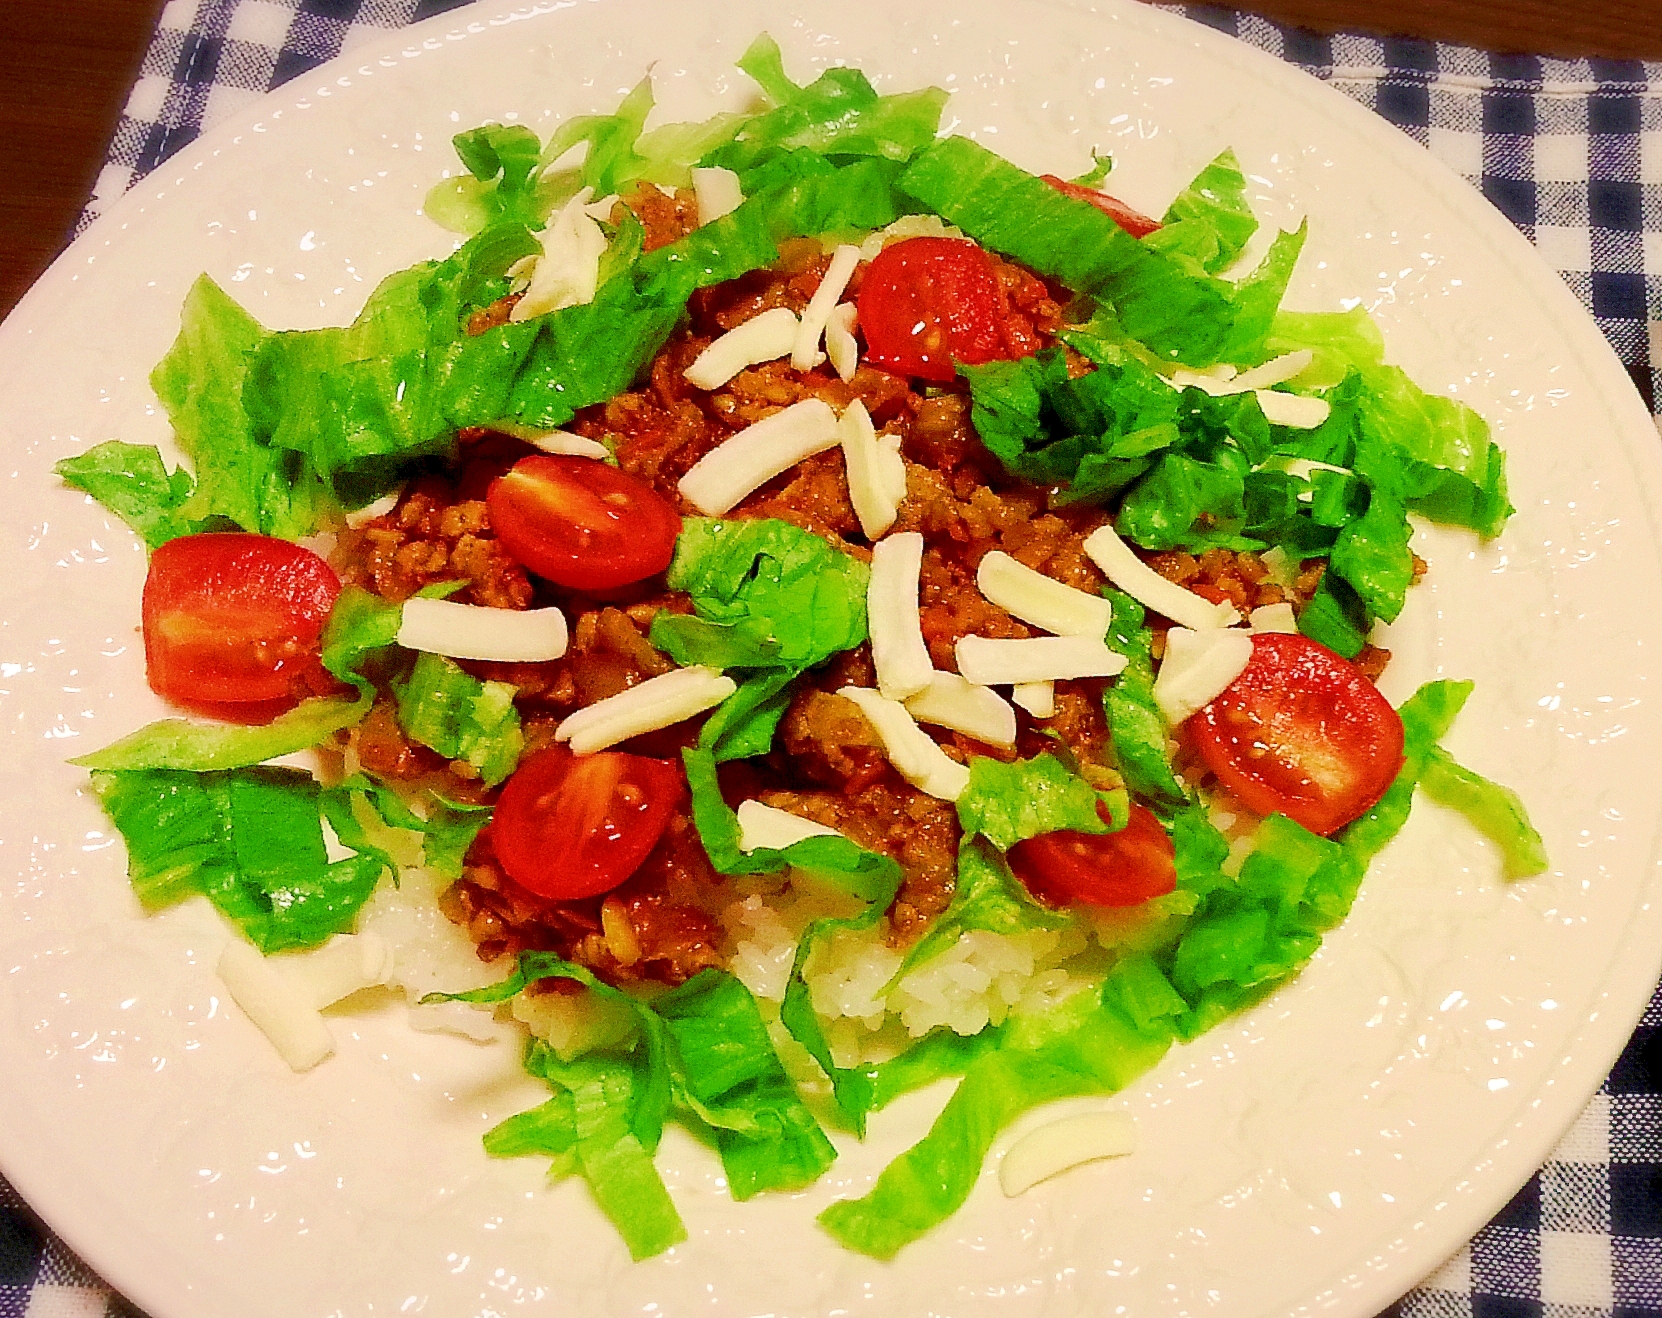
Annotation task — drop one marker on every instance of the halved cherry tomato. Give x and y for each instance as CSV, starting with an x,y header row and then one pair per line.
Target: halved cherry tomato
x,y
1301,732
1122,868
570,826
1133,222
581,523
929,302
234,618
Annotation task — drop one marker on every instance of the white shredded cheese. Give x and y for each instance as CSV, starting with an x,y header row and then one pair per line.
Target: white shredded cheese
x,y
338,969
897,648
1304,468
370,511
568,271
762,338
473,631
805,354
1040,600
717,191
757,454
1036,659
550,441
1221,380
1197,667
1138,580
1278,370
911,750
460,1018
602,209
876,475
283,1012
951,701
1037,698
1293,410
1062,1144
656,703
1274,618
767,826
563,443
840,344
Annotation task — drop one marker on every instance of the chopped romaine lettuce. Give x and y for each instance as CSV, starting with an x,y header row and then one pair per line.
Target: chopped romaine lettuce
x,y
130,480
1006,803
251,841
702,1051
460,717
1088,1044
767,594
177,743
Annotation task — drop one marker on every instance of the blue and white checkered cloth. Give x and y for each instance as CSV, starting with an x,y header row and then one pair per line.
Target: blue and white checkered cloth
x,y
1569,150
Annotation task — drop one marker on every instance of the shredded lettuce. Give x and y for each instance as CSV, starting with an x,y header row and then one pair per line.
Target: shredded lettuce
x,y
460,717
1136,727
1165,299
1210,221
1006,803
766,594
183,744
131,481
701,1052
251,841
1087,1045
1494,810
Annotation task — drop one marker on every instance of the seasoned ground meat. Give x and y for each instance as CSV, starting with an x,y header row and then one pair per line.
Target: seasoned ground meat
x,y
828,764
429,538
660,925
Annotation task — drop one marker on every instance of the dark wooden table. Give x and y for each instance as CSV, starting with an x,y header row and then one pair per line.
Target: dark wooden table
x,y
66,67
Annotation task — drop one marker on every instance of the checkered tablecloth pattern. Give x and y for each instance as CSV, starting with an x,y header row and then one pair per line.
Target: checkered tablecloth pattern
x,y
1569,150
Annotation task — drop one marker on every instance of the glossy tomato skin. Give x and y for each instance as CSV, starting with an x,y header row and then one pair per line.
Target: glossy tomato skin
x,y
573,826
926,303
1300,732
232,618
1134,222
1124,868
581,523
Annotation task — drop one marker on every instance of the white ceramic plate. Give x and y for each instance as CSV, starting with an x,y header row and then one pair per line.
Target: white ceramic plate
x,y
1322,1153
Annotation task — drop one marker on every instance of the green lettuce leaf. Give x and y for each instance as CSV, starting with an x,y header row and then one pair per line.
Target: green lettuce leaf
x,y
838,114
766,593
1007,803
1495,811
200,382
702,1051
460,717
1209,221
251,841
1136,727
1086,1045
130,480
733,1081
200,747
1180,315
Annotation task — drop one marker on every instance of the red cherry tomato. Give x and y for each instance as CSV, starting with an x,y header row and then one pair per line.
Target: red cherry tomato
x,y
1133,222
926,303
1099,869
570,826
1301,732
581,523
233,618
